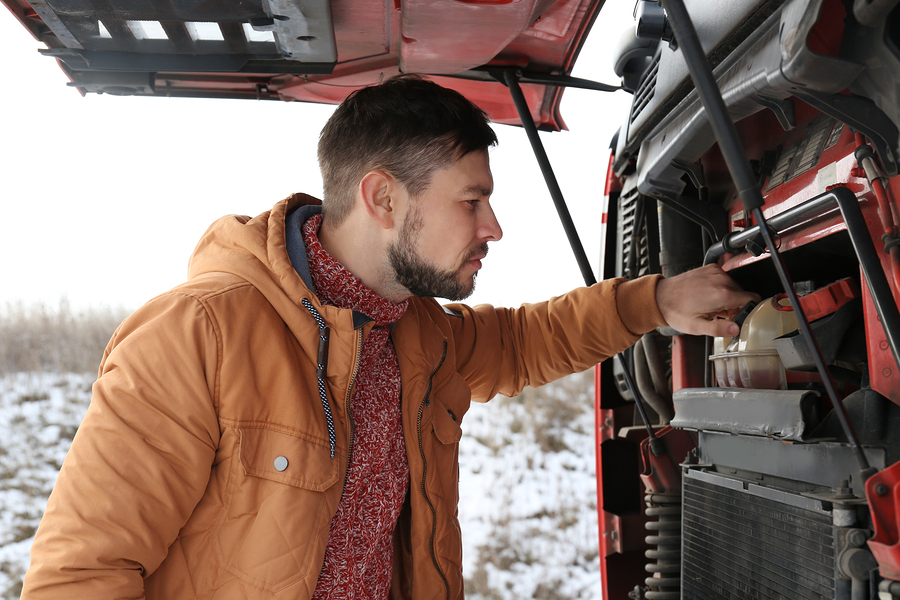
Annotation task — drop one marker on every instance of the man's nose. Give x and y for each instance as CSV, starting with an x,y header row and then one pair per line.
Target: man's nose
x,y
490,230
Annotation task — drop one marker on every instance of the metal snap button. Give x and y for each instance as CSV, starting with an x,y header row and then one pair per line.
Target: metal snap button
x,y
281,463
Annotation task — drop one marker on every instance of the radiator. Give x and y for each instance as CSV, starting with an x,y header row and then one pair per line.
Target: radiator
x,y
755,543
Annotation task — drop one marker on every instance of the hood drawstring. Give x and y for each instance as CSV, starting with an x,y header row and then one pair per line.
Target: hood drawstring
x,y
321,368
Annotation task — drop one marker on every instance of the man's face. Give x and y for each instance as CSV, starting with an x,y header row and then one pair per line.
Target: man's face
x,y
444,235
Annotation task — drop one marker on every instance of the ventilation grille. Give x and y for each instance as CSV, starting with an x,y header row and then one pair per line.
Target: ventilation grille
x,y
216,26
645,90
805,154
738,545
633,242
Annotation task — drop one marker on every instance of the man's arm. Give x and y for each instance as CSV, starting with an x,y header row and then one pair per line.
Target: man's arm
x,y
140,461
501,350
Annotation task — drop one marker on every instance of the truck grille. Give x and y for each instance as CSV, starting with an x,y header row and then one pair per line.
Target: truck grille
x,y
738,544
646,89
633,248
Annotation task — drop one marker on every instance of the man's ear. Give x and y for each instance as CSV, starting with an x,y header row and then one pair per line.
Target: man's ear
x,y
376,188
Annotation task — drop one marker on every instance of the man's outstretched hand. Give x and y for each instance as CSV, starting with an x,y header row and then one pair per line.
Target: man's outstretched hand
x,y
702,302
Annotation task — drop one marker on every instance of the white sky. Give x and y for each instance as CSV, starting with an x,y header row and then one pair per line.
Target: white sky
x,y
103,198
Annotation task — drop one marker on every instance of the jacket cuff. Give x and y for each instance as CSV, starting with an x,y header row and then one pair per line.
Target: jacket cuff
x,y
636,303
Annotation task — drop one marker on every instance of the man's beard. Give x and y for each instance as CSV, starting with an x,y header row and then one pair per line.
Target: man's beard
x,y
421,278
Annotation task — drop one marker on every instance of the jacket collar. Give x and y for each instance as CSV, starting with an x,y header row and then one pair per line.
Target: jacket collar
x,y
296,250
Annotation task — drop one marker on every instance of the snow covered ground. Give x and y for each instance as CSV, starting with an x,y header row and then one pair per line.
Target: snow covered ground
x,y
528,496
527,488
39,414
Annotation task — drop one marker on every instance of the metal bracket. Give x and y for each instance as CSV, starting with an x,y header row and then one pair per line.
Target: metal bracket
x,y
303,29
883,493
863,115
711,217
493,74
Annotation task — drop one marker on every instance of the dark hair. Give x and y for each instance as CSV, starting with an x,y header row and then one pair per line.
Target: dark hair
x,y
407,126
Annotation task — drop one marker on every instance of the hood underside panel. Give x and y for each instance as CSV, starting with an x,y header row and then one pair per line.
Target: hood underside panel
x,y
312,50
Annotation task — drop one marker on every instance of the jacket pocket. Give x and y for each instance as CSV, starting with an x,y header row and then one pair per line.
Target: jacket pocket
x,y
445,424
442,479
443,454
451,400
286,458
280,503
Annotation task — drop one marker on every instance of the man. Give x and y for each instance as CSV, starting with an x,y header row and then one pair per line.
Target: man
x,y
285,424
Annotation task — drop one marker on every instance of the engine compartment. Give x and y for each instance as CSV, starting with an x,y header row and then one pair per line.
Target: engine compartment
x,y
749,484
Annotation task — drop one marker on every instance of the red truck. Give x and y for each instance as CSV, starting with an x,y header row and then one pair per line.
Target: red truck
x,y
763,137
766,466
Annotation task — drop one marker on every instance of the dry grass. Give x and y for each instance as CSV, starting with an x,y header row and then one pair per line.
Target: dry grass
x,y
43,338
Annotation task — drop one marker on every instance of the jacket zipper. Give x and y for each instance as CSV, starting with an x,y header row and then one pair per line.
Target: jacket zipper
x,y
427,402
359,347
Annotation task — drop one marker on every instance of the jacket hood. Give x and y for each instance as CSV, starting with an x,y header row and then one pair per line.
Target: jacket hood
x,y
256,250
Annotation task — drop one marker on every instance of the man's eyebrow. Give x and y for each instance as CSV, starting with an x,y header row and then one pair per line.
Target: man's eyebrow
x,y
477,190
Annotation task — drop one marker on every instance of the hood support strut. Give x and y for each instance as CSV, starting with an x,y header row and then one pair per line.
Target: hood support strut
x,y
511,79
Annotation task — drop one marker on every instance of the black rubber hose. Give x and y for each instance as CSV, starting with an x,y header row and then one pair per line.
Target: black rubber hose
x,y
632,387
643,376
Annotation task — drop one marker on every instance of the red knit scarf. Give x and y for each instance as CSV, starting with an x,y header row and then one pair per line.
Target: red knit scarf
x,y
358,556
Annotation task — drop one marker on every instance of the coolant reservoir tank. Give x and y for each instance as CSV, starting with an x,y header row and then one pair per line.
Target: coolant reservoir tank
x,y
770,319
725,359
751,360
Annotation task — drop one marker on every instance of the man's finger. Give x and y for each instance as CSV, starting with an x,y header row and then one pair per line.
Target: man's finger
x,y
719,328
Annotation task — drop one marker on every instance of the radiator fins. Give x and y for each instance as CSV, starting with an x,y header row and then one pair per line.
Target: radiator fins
x,y
740,545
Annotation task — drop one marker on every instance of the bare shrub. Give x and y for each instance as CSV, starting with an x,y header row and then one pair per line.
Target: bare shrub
x,y
42,338
555,408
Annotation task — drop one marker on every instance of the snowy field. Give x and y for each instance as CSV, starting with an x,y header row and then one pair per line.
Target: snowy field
x,y
527,488
528,495
39,414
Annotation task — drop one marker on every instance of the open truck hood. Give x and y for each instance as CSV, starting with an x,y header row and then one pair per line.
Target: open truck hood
x,y
313,50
